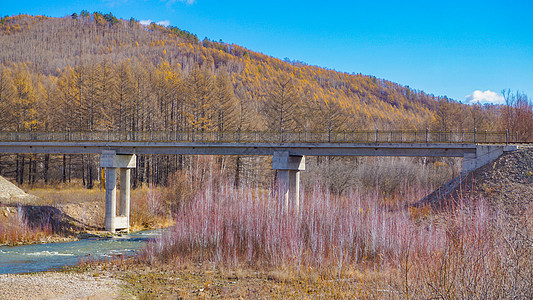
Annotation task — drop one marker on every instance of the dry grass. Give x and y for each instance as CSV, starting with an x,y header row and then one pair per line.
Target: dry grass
x,y
346,246
14,228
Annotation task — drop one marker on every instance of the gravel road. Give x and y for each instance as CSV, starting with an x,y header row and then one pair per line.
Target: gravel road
x,y
59,285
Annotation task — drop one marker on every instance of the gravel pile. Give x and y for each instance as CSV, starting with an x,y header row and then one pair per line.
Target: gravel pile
x,y
57,285
11,194
506,182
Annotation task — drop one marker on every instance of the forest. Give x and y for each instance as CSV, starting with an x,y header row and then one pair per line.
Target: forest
x,y
94,72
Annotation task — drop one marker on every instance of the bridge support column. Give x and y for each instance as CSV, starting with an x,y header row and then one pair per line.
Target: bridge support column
x,y
124,205
110,199
288,168
113,162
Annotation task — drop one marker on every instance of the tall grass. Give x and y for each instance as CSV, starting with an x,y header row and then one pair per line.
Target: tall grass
x,y
472,251
15,229
248,226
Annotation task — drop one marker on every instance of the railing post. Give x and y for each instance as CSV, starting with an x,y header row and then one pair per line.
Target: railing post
x,y
427,132
507,135
475,133
377,136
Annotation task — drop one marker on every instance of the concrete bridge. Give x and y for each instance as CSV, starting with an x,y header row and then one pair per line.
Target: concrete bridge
x,y
118,153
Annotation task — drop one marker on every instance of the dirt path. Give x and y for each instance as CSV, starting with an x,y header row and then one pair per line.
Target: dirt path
x,y
59,285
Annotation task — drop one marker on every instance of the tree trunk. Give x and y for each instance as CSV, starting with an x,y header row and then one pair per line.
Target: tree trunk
x,y
46,166
21,176
64,179
237,171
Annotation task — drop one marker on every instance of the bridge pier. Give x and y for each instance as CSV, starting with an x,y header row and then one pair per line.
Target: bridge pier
x,y
288,168
113,163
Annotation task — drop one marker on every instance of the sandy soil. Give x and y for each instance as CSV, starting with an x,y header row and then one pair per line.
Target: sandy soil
x,y
59,285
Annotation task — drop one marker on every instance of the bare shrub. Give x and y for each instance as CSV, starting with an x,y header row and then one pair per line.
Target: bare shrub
x,y
468,252
178,191
395,178
14,229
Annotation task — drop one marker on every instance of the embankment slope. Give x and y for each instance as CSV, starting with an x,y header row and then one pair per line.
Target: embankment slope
x,y
506,182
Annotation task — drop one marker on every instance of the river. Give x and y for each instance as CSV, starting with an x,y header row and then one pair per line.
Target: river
x,y
43,257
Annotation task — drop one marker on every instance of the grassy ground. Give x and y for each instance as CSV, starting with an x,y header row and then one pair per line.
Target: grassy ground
x,y
202,281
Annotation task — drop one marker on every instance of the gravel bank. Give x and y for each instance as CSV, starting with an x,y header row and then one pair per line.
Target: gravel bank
x,y
59,285
506,182
11,194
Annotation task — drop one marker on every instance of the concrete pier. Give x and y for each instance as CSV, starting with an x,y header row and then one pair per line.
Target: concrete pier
x,y
123,163
110,199
288,168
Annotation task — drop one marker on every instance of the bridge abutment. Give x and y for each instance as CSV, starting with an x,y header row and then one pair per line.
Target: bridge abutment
x,y
288,168
113,163
484,154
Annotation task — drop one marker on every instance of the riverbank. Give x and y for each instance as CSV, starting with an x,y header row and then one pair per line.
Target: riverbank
x,y
60,285
62,213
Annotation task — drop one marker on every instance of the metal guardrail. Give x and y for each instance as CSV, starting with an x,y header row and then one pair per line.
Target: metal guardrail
x,y
374,136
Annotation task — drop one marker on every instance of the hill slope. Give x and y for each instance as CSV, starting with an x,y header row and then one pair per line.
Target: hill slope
x,y
117,74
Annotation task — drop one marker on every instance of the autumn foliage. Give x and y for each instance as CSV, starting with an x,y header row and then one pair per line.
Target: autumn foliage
x,y
94,72
97,72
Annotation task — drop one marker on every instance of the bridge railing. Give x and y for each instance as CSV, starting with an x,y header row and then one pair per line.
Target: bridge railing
x,y
369,136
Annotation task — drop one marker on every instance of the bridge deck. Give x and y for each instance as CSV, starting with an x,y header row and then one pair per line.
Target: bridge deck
x,y
330,149
356,143
375,136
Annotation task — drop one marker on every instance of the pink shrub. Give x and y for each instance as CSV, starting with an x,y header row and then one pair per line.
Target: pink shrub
x,y
247,226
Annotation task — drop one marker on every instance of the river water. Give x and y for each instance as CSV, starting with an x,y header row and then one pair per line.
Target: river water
x,y
43,257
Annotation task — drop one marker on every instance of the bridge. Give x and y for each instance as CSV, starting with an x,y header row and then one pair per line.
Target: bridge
x,y
118,152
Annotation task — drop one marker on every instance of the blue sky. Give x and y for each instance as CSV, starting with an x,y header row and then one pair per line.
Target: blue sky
x,y
452,48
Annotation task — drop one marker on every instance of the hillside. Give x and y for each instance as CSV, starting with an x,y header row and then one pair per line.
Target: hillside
x,y
96,72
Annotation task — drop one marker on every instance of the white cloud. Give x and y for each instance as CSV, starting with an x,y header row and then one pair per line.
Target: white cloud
x,y
487,96
163,23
